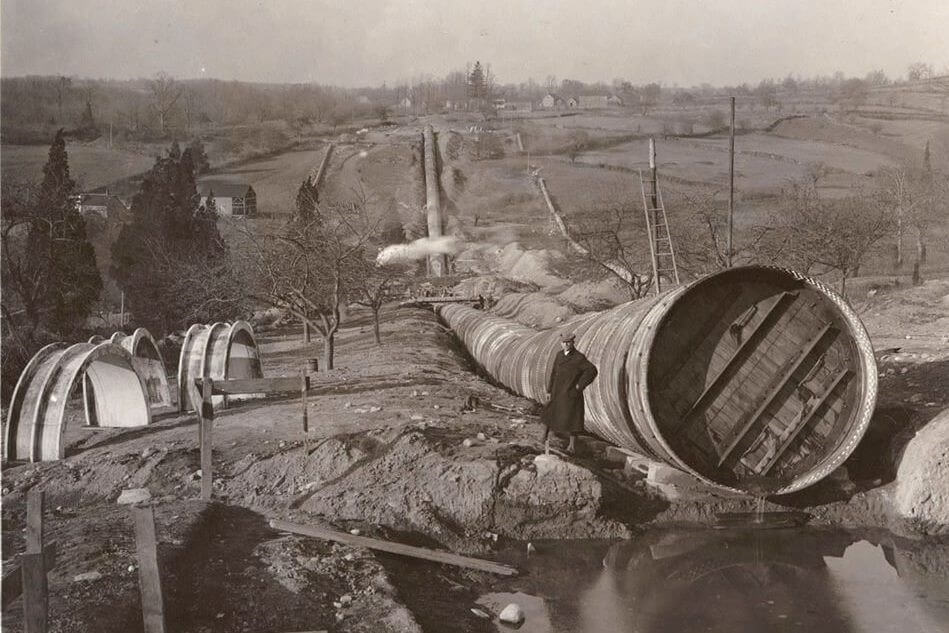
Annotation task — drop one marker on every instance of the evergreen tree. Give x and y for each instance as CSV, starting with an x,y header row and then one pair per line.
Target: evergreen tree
x,y
306,211
200,157
70,280
477,85
165,259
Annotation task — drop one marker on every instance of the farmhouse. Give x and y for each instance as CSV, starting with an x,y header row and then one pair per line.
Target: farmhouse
x,y
592,102
614,100
551,101
572,102
103,204
230,198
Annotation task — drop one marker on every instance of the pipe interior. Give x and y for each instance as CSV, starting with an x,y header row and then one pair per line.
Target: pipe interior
x,y
754,380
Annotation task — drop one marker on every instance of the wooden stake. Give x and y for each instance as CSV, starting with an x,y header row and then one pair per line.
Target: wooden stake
x,y
153,606
446,558
206,423
304,385
34,521
34,593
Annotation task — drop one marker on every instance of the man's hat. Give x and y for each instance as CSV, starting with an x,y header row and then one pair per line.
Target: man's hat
x,y
567,336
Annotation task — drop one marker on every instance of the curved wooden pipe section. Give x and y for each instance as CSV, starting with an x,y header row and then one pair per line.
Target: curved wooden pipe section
x,y
115,396
754,379
219,351
147,361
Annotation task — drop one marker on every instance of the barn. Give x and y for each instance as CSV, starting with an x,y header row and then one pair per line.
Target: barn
x,y
230,198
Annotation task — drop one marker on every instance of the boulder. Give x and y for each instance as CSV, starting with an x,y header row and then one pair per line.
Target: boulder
x,y
512,614
134,495
921,497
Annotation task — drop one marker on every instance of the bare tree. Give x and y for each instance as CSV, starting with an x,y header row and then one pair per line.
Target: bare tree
x,y
376,286
612,241
165,92
835,235
311,268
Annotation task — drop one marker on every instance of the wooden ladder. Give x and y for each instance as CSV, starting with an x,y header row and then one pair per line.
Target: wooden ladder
x,y
657,227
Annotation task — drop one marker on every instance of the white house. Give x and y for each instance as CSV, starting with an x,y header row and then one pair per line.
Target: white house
x,y
231,199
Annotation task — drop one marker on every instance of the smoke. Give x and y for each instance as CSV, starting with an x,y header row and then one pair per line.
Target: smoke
x,y
419,249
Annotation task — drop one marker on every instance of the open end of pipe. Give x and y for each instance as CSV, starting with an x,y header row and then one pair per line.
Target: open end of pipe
x,y
758,380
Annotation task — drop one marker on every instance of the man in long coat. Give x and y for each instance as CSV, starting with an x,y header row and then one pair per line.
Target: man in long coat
x,y
571,374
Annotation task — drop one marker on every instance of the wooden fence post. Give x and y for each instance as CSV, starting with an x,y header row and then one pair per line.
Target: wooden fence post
x,y
205,425
34,521
146,545
304,385
33,568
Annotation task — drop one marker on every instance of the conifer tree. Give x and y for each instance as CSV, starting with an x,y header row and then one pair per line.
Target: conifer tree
x,y
168,258
57,238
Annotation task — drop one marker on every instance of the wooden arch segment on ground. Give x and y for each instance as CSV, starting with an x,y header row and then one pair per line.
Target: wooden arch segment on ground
x,y
147,361
115,396
220,351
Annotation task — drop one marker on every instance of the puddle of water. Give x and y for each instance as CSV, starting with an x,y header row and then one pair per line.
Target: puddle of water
x,y
733,580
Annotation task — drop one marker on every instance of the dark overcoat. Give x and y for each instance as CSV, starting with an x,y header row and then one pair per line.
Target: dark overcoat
x,y
569,377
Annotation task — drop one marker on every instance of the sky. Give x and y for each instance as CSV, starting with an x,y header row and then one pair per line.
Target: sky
x,y
367,42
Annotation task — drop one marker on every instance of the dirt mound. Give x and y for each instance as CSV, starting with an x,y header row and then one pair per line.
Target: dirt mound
x,y
595,295
534,309
423,481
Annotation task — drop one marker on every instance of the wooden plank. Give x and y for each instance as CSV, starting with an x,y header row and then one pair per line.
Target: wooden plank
x,y
804,422
205,428
281,384
146,545
34,521
446,558
35,605
12,583
769,398
709,319
737,357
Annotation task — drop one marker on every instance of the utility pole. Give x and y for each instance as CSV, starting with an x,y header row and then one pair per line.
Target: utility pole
x,y
731,182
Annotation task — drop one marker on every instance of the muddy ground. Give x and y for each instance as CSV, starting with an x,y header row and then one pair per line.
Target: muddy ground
x,y
393,452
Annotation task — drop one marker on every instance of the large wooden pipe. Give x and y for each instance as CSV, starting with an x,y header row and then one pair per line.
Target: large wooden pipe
x,y
753,379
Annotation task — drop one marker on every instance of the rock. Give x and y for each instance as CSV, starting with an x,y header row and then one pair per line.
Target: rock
x,y
88,576
415,393
375,409
481,614
347,405
345,599
355,532
436,406
131,568
134,495
468,443
511,614
922,479
148,452
416,417
482,436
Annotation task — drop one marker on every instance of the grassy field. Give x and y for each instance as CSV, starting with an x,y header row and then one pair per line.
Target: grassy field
x,y
275,179
90,165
